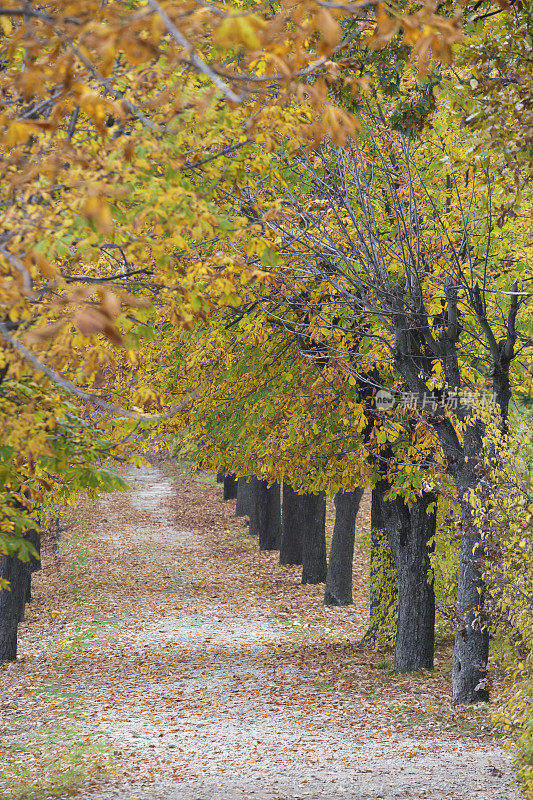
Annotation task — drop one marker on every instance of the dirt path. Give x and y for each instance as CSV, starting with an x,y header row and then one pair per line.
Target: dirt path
x,y
210,687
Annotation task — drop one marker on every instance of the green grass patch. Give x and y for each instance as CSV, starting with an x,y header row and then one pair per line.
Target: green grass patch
x,y
77,550
91,632
46,753
50,761
323,686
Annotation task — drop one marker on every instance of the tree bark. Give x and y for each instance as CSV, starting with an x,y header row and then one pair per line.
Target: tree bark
x,y
244,497
339,578
230,487
265,514
313,523
290,551
220,477
471,649
254,517
383,592
35,563
409,533
12,602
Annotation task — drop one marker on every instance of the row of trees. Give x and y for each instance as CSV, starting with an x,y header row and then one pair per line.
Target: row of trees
x,y
391,275
245,222
403,588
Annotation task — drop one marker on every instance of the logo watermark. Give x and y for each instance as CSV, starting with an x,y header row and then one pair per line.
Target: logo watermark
x,y
430,401
384,400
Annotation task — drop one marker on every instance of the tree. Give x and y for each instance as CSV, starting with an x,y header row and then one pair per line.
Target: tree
x,y
410,532
401,243
295,429
313,524
291,546
265,514
339,577
91,264
383,583
303,539
230,487
16,572
508,576
94,268
244,497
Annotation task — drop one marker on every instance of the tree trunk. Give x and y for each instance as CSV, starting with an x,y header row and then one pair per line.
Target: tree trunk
x,y
230,487
339,578
12,602
220,477
383,592
35,563
471,649
313,523
253,524
290,551
244,497
265,515
409,532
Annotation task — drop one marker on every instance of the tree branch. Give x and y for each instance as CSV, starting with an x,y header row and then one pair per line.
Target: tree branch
x,y
88,397
195,60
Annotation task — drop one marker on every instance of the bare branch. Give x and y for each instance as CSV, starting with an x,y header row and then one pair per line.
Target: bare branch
x,y
195,60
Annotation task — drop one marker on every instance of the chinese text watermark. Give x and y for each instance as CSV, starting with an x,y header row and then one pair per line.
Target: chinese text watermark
x,y
430,401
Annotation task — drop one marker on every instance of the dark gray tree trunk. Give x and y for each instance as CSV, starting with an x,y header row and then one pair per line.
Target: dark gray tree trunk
x,y
265,514
339,578
409,532
12,602
244,497
230,487
383,589
471,649
220,477
254,517
291,547
313,524
35,563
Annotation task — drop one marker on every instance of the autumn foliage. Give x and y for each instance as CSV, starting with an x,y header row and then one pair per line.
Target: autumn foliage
x,y
233,223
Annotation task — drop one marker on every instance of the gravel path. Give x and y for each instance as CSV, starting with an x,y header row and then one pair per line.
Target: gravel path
x,y
225,714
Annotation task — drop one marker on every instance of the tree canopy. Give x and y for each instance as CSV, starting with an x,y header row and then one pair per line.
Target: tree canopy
x,y
238,224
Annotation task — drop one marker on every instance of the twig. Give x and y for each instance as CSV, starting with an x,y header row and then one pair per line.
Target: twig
x,y
116,277
195,60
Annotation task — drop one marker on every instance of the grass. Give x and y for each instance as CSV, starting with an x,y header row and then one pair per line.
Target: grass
x,y
46,751
323,685
300,632
77,553
50,761
92,632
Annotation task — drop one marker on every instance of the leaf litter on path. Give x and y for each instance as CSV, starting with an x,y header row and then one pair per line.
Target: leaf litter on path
x,y
208,671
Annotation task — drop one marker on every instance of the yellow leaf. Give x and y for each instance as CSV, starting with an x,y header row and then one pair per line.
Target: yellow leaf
x,y
18,133
96,209
6,26
240,30
330,30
